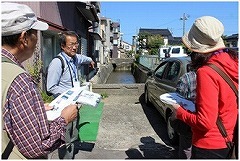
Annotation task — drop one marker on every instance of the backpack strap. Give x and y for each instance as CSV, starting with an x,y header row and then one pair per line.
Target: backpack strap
x,y
46,73
235,90
63,66
62,62
225,77
10,70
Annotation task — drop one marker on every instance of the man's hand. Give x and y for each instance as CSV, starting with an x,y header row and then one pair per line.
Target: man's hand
x,y
69,113
92,63
47,107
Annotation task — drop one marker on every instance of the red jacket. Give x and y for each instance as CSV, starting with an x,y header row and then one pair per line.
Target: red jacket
x,y
214,97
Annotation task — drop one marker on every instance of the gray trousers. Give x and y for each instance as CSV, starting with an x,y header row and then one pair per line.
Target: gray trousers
x,y
71,135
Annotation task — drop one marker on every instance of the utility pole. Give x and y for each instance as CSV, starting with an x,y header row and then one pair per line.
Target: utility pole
x,y
184,18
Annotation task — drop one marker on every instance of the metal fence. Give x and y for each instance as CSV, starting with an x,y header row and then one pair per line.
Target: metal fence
x,y
149,61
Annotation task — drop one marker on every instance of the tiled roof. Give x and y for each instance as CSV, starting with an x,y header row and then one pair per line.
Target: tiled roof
x,y
163,32
233,36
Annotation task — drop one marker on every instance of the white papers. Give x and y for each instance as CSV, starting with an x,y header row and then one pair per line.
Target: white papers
x,y
174,98
76,94
88,98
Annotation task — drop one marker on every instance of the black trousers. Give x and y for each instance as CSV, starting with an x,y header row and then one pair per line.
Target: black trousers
x,y
199,153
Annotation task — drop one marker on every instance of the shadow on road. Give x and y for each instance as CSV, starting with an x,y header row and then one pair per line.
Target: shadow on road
x,y
156,120
150,149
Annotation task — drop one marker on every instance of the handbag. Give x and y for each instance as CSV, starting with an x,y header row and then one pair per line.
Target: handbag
x,y
231,144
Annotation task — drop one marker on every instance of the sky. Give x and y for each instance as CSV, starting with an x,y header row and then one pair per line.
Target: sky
x,y
133,15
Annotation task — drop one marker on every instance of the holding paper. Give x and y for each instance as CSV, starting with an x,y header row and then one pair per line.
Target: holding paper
x,y
175,98
74,95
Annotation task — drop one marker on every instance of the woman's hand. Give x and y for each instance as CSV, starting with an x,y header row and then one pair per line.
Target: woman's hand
x,y
175,106
174,112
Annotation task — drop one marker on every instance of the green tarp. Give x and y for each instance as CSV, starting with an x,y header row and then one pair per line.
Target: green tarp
x,y
89,122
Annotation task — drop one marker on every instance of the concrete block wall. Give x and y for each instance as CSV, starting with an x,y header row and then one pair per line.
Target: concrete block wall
x,y
102,74
139,73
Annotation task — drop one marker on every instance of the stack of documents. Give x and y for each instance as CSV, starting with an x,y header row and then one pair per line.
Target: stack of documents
x,y
75,95
175,98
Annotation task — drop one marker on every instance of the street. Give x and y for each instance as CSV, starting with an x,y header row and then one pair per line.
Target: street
x,y
128,130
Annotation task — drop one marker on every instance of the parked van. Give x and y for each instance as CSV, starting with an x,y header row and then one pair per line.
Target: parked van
x,y
162,51
176,51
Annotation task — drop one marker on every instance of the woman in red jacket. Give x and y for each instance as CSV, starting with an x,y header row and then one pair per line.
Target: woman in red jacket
x,y
214,97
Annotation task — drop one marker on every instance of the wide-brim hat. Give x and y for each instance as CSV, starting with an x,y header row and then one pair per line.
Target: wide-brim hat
x,y
17,18
205,35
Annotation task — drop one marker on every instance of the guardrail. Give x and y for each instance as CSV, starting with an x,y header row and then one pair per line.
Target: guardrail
x,y
149,61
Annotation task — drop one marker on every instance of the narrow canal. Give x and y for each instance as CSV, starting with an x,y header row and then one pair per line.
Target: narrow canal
x,y
121,77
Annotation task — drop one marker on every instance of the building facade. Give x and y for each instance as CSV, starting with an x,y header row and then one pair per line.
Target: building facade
x,y
81,17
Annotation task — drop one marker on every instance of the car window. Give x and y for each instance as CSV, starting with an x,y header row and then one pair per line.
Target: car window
x,y
173,70
175,50
159,72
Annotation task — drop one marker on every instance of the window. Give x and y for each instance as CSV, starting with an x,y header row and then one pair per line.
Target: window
x,y
49,48
115,42
173,70
175,50
160,71
83,44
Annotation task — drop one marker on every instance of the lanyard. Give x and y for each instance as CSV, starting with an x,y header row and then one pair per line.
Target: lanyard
x,y
72,65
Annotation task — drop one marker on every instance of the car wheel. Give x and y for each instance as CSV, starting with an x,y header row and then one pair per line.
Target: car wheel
x,y
146,98
173,136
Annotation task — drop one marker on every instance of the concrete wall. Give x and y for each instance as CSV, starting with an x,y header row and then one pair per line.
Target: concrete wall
x,y
119,89
139,73
102,74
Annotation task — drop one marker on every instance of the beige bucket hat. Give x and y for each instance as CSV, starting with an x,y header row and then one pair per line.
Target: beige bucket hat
x,y
205,35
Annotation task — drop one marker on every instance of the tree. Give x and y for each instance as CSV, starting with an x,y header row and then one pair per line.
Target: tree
x,y
142,39
150,42
154,42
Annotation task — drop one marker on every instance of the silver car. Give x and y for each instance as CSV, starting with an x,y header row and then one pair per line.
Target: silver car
x,y
163,80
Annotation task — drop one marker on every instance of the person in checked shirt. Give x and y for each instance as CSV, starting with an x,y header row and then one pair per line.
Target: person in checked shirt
x,y
24,116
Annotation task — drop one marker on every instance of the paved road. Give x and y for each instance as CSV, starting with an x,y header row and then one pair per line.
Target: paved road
x,y
128,130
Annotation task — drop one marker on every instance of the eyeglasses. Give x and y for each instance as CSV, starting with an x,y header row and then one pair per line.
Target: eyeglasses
x,y
71,45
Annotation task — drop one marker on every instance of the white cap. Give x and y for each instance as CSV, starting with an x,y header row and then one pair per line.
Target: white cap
x,y
17,18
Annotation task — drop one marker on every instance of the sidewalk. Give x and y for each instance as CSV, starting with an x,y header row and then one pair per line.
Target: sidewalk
x,y
128,129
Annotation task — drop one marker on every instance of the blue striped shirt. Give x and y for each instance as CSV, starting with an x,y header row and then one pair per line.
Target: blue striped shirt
x,y
57,83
